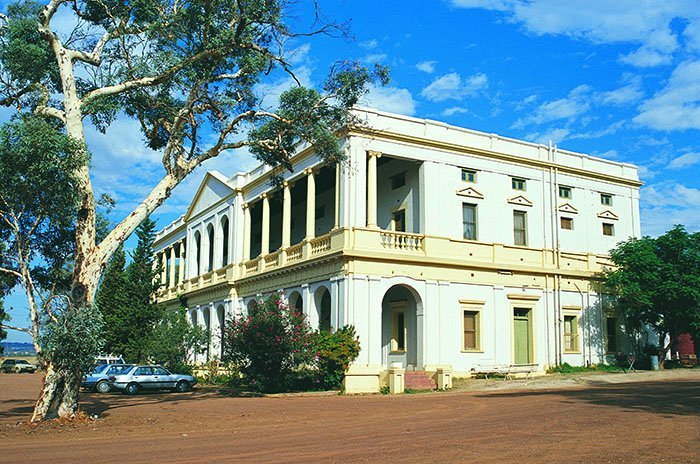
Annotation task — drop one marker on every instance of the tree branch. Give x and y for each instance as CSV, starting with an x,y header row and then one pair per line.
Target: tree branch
x,y
18,329
11,272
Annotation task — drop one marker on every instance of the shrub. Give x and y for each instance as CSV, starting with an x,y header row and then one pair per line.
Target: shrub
x,y
335,351
270,344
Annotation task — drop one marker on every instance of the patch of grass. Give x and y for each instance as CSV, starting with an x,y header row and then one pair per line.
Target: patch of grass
x,y
410,391
567,368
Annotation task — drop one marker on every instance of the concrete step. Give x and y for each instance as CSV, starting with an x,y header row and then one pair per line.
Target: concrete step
x,y
418,380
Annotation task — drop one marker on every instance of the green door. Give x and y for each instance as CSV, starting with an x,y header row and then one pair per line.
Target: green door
x,y
521,336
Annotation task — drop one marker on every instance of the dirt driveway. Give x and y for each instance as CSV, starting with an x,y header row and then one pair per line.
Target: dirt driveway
x,y
655,419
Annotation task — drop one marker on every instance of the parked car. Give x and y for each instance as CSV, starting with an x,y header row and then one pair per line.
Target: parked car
x,y
109,359
18,366
98,379
139,378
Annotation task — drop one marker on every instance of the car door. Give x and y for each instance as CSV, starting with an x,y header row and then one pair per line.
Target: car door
x,y
143,375
163,378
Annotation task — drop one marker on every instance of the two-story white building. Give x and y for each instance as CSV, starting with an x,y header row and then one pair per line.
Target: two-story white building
x,y
444,247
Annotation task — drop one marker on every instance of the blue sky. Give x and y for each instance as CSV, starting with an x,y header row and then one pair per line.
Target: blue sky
x,y
617,79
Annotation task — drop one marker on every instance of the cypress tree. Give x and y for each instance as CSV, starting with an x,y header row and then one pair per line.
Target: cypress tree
x,y
113,302
141,284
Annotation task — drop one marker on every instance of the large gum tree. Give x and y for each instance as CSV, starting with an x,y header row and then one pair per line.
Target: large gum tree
x,y
187,71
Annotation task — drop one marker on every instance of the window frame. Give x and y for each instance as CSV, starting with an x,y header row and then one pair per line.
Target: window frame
x,y
393,219
612,229
398,308
565,188
574,334
469,173
475,223
606,199
570,220
518,183
615,336
394,180
476,313
524,230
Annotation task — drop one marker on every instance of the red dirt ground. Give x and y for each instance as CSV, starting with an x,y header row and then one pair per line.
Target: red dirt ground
x,y
641,422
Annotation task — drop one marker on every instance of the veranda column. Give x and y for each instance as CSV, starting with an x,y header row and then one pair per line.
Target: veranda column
x,y
286,216
171,282
246,232
265,245
372,188
164,268
310,204
181,270
336,219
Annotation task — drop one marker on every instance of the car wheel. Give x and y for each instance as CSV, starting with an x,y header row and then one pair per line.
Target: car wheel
x,y
103,387
182,386
132,389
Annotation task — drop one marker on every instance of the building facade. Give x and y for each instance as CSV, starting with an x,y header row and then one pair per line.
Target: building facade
x,y
444,247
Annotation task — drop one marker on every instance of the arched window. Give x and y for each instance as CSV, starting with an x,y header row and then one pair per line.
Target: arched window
x,y
197,253
210,237
224,234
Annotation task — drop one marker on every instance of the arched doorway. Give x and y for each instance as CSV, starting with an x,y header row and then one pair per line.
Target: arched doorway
x,y
296,301
220,318
399,326
322,301
206,315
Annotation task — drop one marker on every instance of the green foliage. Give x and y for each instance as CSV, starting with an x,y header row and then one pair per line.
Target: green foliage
x,y
335,351
566,368
173,341
72,338
124,298
220,374
657,283
269,345
3,318
37,200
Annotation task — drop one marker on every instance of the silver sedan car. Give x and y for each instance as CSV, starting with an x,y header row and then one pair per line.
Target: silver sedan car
x,y
98,379
140,378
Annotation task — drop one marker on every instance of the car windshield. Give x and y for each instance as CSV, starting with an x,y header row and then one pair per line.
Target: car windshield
x,y
100,369
22,361
117,369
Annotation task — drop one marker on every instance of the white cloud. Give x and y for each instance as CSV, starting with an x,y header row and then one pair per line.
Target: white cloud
x,y
646,23
453,87
610,154
569,108
667,203
684,161
630,93
270,92
299,55
553,135
454,110
426,66
369,44
645,57
676,106
375,58
392,99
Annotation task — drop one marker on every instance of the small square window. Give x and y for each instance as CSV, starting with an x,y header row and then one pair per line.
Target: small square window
x,y
608,229
397,181
567,223
606,199
517,183
468,175
320,212
564,192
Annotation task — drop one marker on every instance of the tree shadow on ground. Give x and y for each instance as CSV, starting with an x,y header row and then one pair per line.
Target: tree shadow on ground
x,y
680,398
100,404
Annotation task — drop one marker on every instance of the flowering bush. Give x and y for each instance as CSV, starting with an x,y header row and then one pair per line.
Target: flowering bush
x,y
335,353
270,344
